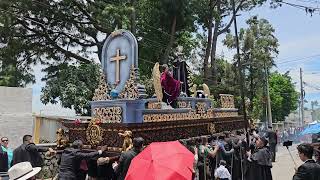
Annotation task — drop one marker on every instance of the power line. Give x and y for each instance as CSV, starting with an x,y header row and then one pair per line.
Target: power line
x,y
313,73
308,58
312,86
307,9
309,1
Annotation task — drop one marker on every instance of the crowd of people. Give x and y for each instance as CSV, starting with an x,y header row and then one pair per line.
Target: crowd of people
x,y
226,156
291,133
229,156
16,162
25,162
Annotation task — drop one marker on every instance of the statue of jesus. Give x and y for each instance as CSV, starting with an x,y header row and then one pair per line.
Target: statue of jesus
x,y
170,87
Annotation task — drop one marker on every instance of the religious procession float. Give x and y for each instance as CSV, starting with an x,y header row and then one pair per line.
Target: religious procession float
x,y
121,111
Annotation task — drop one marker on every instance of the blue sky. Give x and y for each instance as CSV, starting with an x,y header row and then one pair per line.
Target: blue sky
x,y
299,39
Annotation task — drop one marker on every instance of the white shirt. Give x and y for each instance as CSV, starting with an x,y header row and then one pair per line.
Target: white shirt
x,y
291,130
222,172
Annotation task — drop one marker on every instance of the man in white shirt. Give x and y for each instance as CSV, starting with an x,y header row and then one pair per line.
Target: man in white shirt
x,y
222,172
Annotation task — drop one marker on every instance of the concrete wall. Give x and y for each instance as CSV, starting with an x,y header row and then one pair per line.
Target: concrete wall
x,y
45,127
15,114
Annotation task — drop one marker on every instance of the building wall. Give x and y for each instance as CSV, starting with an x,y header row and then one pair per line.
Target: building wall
x,y
15,114
46,128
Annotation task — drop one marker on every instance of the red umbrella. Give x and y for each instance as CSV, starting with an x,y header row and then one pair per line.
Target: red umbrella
x,y
162,161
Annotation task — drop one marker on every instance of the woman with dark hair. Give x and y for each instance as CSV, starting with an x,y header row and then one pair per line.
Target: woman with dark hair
x,y
259,162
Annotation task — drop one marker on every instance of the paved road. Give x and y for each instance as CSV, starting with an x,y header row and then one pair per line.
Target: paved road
x,y
283,168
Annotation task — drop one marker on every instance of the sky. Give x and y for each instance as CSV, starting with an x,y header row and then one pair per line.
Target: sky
x,y
299,39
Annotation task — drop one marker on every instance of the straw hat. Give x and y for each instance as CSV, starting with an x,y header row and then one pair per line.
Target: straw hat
x,y
23,171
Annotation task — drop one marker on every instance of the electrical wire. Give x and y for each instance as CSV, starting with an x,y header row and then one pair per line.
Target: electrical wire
x,y
312,86
308,9
304,59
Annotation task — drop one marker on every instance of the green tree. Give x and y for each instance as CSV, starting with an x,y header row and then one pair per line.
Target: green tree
x,y
258,47
14,59
216,18
162,26
60,33
73,86
284,98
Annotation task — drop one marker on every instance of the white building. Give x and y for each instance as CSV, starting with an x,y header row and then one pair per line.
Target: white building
x,y
15,114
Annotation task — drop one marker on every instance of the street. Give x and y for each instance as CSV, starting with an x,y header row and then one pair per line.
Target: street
x,y
283,168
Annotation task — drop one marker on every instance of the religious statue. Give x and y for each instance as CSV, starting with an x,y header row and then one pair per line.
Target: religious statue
x,y
157,82
62,139
181,73
170,87
127,142
205,93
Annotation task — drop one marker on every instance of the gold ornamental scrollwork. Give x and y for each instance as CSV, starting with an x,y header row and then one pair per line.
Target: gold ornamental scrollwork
x,y
102,92
154,105
94,133
116,33
201,107
130,90
191,115
156,75
108,114
211,128
227,101
184,104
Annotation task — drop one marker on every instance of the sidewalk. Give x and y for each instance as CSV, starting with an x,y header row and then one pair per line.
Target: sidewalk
x,y
283,168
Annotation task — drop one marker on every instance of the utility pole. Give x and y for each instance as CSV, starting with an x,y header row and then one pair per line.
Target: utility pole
x,y
240,71
299,120
268,96
301,99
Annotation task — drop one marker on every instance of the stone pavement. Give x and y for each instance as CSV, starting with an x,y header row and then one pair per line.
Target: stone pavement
x,y
283,168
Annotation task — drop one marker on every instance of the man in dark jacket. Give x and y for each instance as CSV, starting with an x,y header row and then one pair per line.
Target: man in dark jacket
x,y
273,141
309,170
3,160
126,157
29,152
71,159
5,155
259,162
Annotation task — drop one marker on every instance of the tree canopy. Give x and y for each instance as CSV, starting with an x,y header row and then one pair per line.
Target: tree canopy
x,y
258,48
73,86
284,97
67,36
